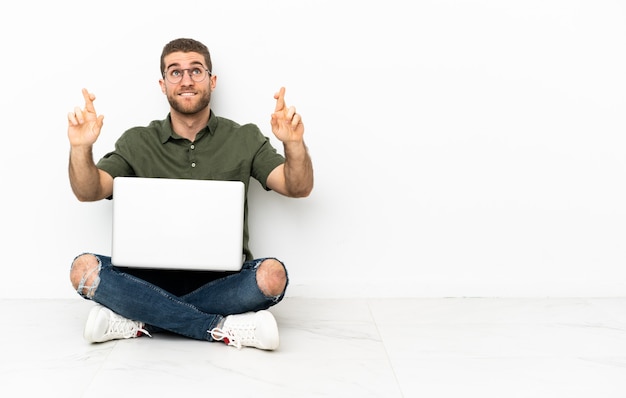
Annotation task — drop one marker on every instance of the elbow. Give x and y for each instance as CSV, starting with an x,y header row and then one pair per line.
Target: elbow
x,y
82,198
306,193
302,192
85,197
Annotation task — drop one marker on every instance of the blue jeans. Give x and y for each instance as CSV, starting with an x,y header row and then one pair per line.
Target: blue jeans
x,y
192,315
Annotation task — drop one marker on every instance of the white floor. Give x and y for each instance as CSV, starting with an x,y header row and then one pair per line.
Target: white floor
x,y
502,348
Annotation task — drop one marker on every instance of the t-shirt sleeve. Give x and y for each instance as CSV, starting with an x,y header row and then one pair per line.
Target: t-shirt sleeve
x,y
115,162
265,161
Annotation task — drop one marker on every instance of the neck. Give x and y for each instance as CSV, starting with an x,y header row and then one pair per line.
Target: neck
x,y
188,126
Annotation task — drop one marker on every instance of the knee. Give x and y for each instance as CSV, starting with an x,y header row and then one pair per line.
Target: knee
x,y
272,277
84,274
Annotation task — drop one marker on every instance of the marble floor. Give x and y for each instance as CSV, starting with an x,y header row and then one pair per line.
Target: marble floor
x,y
415,347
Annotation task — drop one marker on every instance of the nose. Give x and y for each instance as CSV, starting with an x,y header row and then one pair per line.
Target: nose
x,y
186,72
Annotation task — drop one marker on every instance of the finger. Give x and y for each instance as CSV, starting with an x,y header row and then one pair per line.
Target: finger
x,y
71,118
291,111
79,115
89,98
297,119
280,99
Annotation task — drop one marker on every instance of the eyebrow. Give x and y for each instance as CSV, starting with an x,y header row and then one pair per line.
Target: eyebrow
x,y
191,64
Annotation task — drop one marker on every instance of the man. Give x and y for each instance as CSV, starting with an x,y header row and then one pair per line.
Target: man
x,y
229,307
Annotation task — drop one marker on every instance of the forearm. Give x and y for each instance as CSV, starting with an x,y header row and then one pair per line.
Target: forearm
x,y
298,169
84,175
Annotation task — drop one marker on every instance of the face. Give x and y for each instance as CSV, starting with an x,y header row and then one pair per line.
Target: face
x,y
187,96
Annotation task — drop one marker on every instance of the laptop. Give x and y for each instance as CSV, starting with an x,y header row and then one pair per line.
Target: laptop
x,y
177,224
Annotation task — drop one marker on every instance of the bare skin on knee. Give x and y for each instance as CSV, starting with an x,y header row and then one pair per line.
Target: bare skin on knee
x,y
271,278
84,274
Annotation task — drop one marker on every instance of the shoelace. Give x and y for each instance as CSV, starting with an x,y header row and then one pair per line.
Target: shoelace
x,y
120,326
242,335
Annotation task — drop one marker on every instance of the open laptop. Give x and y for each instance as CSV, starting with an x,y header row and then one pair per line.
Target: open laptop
x,y
164,223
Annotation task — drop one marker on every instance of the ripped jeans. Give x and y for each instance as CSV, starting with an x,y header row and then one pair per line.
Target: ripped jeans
x,y
192,315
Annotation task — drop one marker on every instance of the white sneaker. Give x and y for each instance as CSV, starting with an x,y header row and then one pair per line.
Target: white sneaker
x,y
252,329
104,325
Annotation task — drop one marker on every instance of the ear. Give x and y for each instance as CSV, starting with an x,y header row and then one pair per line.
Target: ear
x,y
162,84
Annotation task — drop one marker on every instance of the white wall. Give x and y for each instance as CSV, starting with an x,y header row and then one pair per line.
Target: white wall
x,y
461,147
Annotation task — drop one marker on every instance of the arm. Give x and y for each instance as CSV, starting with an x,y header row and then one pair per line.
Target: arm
x,y
87,181
294,178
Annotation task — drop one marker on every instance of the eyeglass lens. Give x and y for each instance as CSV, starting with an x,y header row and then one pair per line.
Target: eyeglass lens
x,y
176,75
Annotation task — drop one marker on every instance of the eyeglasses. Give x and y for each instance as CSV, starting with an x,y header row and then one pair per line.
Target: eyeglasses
x,y
197,74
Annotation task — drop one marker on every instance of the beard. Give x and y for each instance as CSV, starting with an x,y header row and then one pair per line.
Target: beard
x,y
187,107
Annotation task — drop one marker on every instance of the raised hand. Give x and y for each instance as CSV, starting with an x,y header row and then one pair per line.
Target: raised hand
x,y
84,125
286,123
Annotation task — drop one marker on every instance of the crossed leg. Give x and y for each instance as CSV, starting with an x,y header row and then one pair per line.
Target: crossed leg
x,y
271,276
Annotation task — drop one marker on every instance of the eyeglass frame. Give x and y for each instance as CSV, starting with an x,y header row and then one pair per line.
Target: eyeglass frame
x,y
182,76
